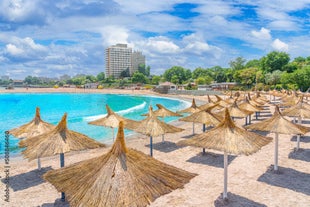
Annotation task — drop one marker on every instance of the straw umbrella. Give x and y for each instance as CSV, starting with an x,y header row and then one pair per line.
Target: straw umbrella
x,y
279,125
301,111
228,138
57,141
121,177
236,111
205,117
249,107
35,127
192,109
110,120
153,127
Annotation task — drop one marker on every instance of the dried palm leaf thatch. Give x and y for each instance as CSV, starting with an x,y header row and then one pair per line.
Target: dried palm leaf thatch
x,y
256,103
58,140
192,109
163,112
236,111
204,117
259,97
227,137
221,102
301,109
112,120
278,124
33,128
152,126
249,107
122,177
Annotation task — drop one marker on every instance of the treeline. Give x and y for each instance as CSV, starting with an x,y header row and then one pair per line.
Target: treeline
x,y
273,71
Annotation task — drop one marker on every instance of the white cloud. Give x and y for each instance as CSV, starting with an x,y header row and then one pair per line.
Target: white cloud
x,y
279,45
161,45
263,34
114,34
13,50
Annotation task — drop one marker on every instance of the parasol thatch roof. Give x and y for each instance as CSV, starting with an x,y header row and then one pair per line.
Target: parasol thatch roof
x,y
192,109
247,106
163,112
278,124
58,140
152,126
228,137
122,177
35,127
236,111
299,110
221,102
204,117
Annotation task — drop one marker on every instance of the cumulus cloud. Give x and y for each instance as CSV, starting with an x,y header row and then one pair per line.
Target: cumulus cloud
x,y
114,34
263,34
279,45
161,45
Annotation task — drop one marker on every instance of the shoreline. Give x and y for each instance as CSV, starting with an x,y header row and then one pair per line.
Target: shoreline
x,y
249,181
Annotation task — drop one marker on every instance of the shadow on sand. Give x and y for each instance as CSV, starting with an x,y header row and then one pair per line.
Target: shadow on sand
x,y
57,203
28,179
301,154
212,159
287,178
165,146
235,201
305,139
188,136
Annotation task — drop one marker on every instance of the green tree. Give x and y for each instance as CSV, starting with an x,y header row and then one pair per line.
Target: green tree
x,y
139,78
144,70
237,64
274,61
101,76
178,73
246,76
273,78
302,78
125,73
252,63
155,79
200,81
199,72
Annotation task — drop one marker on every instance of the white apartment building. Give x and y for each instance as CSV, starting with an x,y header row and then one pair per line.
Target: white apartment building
x,y
119,57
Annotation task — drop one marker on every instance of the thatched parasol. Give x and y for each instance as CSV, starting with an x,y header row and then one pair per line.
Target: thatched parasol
x,y
111,120
35,127
153,127
122,177
164,112
249,107
192,109
228,138
279,125
57,141
236,111
300,110
205,117
221,102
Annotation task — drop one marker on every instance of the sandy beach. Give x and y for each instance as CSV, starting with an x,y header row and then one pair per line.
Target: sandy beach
x,y
250,181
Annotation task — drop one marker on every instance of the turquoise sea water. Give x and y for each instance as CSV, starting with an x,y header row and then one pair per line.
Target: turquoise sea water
x,y
18,109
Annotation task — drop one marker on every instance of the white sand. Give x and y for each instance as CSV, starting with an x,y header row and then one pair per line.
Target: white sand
x,y
249,182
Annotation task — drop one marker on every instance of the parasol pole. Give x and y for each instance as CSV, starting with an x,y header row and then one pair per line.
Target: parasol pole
x,y
151,146
276,151
112,134
256,114
39,163
225,175
163,136
193,128
62,164
298,136
204,129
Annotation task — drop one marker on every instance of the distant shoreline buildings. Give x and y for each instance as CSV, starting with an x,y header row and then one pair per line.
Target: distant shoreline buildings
x,y
119,57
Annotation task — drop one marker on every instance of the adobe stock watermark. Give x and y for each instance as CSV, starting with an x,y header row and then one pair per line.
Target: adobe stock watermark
x,y
7,167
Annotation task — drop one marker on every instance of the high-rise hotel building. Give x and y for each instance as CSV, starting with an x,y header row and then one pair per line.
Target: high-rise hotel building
x,y
119,57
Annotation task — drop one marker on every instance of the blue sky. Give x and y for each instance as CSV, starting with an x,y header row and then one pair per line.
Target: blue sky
x,y
55,37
